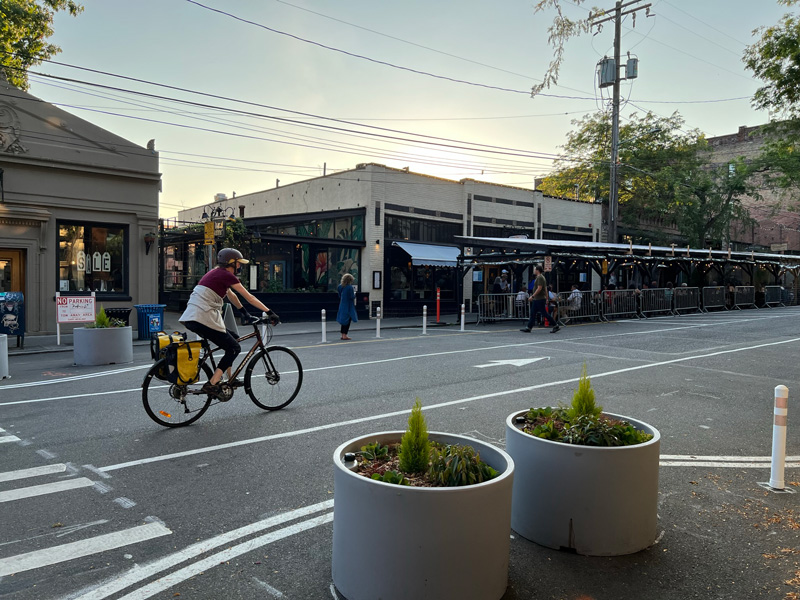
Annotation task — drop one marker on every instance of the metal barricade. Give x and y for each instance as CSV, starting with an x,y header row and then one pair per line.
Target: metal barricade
x,y
744,295
620,303
772,295
686,298
502,307
576,305
713,297
656,300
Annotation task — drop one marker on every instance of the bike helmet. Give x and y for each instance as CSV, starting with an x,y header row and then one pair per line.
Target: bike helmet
x,y
229,256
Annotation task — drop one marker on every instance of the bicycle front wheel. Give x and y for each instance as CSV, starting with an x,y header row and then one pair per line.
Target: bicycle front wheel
x,y
173,405
273,378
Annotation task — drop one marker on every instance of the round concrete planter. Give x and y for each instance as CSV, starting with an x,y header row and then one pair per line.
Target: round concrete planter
x,y
594,501
443,543
102,346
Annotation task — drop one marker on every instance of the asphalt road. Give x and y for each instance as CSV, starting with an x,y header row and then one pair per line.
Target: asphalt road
x,y
239,505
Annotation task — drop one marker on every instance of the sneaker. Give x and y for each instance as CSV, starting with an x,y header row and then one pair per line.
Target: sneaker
x,y
236,382
526,329
555,329
211,389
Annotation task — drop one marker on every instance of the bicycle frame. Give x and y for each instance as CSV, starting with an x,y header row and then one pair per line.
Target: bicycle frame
x,y
208,351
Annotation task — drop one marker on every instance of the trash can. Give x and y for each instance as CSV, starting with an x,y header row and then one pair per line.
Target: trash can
x,y
150,319
123,314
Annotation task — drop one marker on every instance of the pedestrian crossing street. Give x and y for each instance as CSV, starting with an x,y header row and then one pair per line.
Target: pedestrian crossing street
x,y
34,501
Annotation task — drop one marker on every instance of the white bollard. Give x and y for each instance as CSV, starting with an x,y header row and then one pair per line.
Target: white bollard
x,y
779,437
324,331
378,323
4,356
462,317
425,320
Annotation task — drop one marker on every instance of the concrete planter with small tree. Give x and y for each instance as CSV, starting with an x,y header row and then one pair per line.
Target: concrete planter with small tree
x,y
435,542
599,499
106,342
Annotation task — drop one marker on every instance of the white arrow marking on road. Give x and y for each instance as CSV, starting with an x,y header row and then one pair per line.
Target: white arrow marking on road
x,y
517,362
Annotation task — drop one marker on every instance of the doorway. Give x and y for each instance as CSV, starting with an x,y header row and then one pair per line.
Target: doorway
x,y
12,270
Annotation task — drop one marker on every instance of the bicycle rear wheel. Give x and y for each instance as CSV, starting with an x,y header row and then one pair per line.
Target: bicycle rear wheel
x,y
173,405
273,378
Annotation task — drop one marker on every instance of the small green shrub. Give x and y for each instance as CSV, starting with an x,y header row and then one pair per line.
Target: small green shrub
x,y
583,400
415,448
391,477
374,451
453,466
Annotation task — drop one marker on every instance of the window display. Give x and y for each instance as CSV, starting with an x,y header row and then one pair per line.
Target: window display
x,y
92,258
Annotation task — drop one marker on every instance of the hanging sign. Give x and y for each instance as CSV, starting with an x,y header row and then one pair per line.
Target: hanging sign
x,y
209,233
548,264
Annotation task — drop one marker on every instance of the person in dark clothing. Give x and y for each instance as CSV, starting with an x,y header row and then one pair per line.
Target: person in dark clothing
x,y
539,299
347,305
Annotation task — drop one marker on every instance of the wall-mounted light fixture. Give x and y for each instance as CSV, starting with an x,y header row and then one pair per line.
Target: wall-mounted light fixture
x,y
149,238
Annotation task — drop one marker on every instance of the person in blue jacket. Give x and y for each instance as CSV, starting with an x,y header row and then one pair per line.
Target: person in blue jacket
x,y
347,305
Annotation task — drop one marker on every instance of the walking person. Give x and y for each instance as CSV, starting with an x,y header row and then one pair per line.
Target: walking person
x,y
539,299
347,305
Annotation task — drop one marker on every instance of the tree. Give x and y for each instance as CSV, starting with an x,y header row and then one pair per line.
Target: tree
x,y
25,26
775,59
665,174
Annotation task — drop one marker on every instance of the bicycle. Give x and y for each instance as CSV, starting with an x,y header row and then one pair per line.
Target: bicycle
x,y
272,379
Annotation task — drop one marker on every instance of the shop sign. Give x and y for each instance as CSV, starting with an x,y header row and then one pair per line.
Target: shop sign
x,y
548,264
219,229
74,309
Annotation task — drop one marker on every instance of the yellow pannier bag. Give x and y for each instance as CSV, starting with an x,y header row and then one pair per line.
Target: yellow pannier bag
x,y
183,362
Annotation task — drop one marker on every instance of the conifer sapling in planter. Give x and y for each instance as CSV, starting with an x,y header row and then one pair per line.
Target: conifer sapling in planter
x,y
431,502
601,474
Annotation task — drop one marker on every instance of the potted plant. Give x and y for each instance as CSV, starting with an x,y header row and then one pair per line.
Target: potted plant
x,y
107,341
586,480
431,506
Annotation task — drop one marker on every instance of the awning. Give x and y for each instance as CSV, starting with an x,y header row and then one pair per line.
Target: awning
x,y
428,255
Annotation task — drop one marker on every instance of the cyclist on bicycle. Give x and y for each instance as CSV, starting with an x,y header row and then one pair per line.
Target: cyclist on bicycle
x,y
203,314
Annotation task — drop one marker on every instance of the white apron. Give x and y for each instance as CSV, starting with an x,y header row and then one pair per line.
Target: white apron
x,y
204,307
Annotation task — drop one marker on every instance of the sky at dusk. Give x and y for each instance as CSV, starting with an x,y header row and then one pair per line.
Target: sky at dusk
x,y
303,85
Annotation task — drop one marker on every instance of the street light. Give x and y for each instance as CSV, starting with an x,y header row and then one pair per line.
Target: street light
x,y
218,211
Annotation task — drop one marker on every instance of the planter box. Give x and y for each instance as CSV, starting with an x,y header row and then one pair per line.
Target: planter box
x,y
591,500
442,543
104,346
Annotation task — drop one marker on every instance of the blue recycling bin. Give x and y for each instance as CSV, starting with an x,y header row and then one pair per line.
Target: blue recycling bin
x,y
150,319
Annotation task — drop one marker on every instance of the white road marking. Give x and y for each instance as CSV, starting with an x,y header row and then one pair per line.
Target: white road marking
x,y
33,472
539,386
70,397
74,378
268,588
728,465
47,488
60,532
125,502
517,362
166,582
65,552
766,459
142,572
8,438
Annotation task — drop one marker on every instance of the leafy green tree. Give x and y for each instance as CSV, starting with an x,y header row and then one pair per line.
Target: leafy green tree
x,y
775,59
25,26
664,173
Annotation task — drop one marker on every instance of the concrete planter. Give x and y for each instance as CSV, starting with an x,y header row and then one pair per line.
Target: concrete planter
x,y
102,346
595,501
443,543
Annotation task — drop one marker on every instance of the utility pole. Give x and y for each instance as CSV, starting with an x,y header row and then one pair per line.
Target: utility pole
x,y
615,14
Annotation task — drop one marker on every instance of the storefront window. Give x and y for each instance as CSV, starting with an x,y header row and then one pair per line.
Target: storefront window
x,y
92,257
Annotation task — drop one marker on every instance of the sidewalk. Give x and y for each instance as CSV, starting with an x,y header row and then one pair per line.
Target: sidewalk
x,y
41,344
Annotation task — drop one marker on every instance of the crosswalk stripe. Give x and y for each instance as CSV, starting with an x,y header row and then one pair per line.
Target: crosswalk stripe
x,y
33,472
8,438
87,547
47,488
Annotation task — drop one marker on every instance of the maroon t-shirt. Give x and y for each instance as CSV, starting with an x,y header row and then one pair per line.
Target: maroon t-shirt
x,y
219,280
